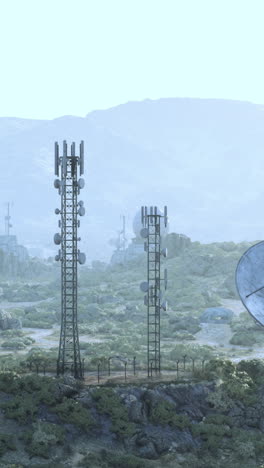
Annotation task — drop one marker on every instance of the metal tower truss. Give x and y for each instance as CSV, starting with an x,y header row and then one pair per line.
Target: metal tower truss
x,y
151,231
69,186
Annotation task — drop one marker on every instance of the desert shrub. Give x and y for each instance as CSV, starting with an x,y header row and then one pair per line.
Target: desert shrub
x,y
219,368
6,443
219,419
18,343
164,413
71,411
240,386
42,438
14,344
245,338
115,460
106,459
21,408
220,400
211,434
12,333
108,402
27,323
8,381
254,368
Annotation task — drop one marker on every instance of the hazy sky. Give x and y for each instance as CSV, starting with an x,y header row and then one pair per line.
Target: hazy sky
x,y
72,56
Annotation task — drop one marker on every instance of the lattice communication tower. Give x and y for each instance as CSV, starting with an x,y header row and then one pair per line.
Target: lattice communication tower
x,y
151,232
69,186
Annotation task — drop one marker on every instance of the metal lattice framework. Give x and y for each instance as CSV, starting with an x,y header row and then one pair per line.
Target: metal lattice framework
x,y
69,358
151,221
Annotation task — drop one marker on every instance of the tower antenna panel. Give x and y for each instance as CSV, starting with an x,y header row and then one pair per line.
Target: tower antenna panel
x,y
56,159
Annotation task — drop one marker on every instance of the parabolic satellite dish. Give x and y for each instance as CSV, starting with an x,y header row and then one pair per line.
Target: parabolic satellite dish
x,y
250,281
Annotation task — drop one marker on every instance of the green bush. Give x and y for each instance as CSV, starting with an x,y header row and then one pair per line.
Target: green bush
x,y
106,459
108,402
254,368
27,323
21,408
211,434
6,443
164,413
42,438
14,333
14,344
245,338
71,411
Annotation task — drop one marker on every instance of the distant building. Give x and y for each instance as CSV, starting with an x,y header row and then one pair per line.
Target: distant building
x,y
136,247
8,242
9,245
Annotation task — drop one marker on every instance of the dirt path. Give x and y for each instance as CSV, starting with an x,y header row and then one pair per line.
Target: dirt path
x,y
14,305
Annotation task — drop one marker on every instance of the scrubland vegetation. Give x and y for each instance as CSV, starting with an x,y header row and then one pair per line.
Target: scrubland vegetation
x,y
209,416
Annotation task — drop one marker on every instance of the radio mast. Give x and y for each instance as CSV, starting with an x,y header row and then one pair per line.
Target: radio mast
x,y
69,186
151,231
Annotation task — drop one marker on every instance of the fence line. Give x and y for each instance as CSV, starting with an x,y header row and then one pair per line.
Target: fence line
x,y
127,370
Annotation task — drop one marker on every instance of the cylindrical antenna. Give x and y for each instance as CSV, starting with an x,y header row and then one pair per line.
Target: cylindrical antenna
x,y
73,149
165,215
56,159
81,157
64,159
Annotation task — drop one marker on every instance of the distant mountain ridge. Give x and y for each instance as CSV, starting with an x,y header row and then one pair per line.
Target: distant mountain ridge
x,y
204,158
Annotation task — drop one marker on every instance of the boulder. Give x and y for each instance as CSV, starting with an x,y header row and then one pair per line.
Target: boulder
x,y
136,412
8,322
108,299
217,315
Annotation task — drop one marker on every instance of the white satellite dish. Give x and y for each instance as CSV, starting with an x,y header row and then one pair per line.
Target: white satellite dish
x,y
250,281
57,238
144,232
81,183
81,211
81,258
144,286
164,252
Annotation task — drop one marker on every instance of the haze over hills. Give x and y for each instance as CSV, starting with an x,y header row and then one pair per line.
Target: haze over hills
x,y
203,158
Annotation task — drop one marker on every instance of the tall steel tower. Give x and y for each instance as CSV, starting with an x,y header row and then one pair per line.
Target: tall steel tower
x,y
8,225
69,186
151,231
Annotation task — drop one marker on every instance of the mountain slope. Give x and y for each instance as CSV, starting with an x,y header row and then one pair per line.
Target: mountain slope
x,y
203,158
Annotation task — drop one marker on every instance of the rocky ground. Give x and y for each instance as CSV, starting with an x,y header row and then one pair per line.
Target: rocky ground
x,y
59,423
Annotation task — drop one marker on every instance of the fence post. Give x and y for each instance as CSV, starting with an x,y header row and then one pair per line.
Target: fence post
x,y
193,360
83,367
184,360
151,369
98,372
125,371
134,364
109,366
177,368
